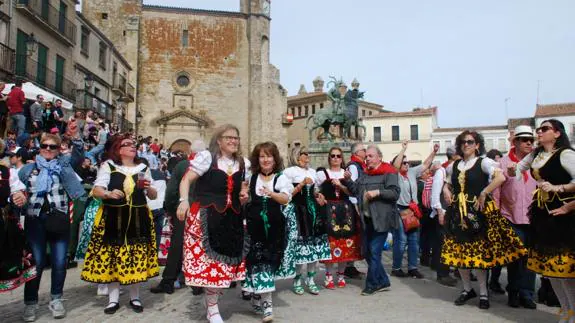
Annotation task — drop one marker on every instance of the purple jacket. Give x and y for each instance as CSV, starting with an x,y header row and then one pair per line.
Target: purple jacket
x,y
515,195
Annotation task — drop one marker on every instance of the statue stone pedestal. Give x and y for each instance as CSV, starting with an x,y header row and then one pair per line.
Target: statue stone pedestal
x,y
318,152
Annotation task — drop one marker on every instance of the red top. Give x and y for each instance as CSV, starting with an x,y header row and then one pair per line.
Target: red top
x,y
16,100
155,148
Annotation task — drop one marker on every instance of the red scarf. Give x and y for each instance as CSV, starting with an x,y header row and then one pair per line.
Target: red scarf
x,y
192,156
514,159
358,160
403,173
382,169
426,195
444,165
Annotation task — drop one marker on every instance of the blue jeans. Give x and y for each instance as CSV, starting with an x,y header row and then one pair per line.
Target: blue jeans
x,y
519,278
19,123
373,245
400,239
158,215
94,153
38,239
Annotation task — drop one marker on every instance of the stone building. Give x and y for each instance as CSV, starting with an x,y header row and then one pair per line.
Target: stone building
x,y
7,53
304,104
197,69
496,137
101,75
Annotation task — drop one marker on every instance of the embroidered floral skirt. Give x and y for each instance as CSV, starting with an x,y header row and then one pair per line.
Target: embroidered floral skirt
x,y
261,279
165,240
343,232
134,261
16,261
480,241
200,269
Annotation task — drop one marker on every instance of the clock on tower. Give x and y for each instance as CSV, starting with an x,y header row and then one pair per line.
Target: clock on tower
x,y
266,7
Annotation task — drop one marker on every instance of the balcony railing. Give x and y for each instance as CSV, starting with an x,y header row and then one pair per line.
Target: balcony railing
x,y
51,16
119,85
88,101
130,92
7,59
33,71
124,125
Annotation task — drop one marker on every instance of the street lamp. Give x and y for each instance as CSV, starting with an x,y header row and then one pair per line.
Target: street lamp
x,y
31,44
88,81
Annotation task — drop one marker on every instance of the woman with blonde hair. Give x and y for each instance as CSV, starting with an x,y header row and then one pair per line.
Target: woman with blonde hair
x,y
215,243
312,245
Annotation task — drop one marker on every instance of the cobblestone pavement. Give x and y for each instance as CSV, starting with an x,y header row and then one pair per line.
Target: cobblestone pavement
x,y
409,300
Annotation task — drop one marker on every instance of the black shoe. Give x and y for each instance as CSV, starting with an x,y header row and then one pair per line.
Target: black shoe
x,y
197,291
163,287
352,272
246,296
527,303
465,296
484,302
383,288
398,273
414,273
112,309
496,288
513,300
71,264
368,291
138,308
447,281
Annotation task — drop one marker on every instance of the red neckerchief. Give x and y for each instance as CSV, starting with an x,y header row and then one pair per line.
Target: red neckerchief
x,y
191,156
359,161
444,165
382,169
514,159
403,173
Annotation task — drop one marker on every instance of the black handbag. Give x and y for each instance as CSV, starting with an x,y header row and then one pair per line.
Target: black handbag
x,y
57,222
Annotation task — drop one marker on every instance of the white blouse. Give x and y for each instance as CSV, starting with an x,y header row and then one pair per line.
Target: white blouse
x,y
297,174
103,178
283,185
488,166
567,160
332,174
203,160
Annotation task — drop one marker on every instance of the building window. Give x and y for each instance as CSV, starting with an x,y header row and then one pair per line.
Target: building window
x,y
85,41
370,112
376,134
104,16
183,80
306,110
395,133
292,109
321,105
414,132
313,109
103,54
363,113
299,111
185,38
447,144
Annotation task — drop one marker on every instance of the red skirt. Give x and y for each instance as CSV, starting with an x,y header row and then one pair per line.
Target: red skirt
x,y
199,269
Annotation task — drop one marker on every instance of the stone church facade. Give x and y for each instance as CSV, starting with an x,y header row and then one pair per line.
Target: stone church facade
x,y
197,69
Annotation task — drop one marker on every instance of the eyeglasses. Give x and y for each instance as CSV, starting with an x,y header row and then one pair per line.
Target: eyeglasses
x,y
405,163
304,154
544,129
335,156
49,147
230,138
531,140
128,144
468,142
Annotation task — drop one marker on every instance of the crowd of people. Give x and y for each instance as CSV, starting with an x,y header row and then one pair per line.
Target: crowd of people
x,y
215,218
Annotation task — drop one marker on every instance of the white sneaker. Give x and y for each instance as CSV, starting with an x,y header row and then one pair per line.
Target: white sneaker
x,y
30,313
57,308
216,318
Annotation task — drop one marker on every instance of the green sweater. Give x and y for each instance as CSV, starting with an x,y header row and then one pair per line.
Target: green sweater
x,y
172,199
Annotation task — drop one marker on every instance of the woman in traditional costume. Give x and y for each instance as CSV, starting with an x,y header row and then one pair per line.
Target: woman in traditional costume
x,y
122,250
551,236
312,243
215,243
342,222
271,227
478,236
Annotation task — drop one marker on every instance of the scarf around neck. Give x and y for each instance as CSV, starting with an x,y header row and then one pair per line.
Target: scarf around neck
x,y
382,169
47,169
514,159
358,160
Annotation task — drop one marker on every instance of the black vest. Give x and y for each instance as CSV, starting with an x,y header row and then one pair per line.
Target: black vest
x,y
117,183
213,188
475,179
330,192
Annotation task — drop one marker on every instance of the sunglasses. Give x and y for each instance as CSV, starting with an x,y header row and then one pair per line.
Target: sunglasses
x,y
128,144
405,163
50,147
230,138
335,156
531,140
544,129
468,142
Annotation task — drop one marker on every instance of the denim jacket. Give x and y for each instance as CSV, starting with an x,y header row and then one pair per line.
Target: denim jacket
x,y
68,177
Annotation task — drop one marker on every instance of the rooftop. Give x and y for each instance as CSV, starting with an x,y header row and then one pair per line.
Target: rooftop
x,y
413,113
184,10
481,128
551,110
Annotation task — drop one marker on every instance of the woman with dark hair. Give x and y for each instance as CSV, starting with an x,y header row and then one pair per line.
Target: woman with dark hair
x,y
215,243
551,236
342,222
312,243
478,236
271,227
494,154
122,249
